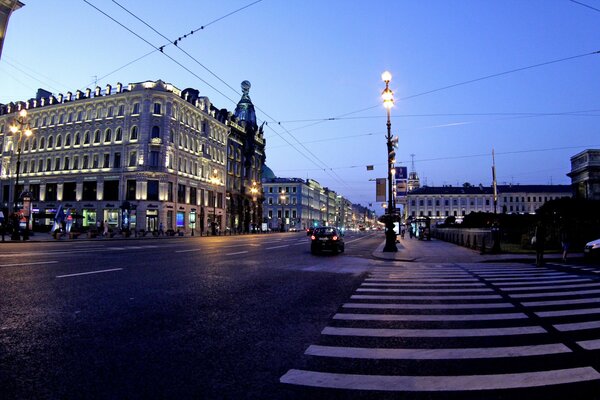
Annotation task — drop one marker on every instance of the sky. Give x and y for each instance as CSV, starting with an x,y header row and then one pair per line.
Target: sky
x,y
520,77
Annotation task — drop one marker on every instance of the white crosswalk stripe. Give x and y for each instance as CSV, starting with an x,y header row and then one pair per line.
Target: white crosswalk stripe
x,y
470,314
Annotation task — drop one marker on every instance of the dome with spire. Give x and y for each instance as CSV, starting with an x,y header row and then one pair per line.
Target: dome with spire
x,y
244,111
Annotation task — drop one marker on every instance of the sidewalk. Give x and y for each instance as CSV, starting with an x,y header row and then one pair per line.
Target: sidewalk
x,y
437,251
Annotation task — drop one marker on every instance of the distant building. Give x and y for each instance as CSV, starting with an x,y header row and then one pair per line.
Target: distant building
x,y
6,8
297,204
139,157
439,203
585,174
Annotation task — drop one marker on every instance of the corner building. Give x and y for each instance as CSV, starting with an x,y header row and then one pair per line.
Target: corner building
x,y
137,157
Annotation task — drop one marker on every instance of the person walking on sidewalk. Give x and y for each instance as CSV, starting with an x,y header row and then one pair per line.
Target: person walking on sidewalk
x,y
540,241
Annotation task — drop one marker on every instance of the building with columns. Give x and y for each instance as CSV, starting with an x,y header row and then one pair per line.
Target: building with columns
x,y
142,156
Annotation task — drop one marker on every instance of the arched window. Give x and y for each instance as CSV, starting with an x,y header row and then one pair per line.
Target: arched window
x,y
118,135
34,144
155,132
77,139
50,142
42,143
86,137
26,145
67,139
133,135
107,136
58,141
97,136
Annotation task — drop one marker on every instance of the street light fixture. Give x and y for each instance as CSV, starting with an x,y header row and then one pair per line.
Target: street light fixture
x,y
21,127
215,181
254,193
388,102
282,197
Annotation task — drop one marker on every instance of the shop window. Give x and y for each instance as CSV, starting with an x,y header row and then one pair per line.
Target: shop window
x,y
152,190
131,189
89,191
50,192
111,190
69,191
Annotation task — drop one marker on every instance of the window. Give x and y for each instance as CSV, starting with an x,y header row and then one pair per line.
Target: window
x,y
106,162
42,143
193,196
131,189
132,158
156,109
49,164
133,135
69,191
117,160
95,161
181,193
107,136
153,159
77,139
58,141
32,167
97,136
50,142
118,135
156,132
51,191
76,162
121,111
66,163
136,108
109,111
89,191
67,140
85,162
34,144
24,168
40,165
86,138
111,190
152,190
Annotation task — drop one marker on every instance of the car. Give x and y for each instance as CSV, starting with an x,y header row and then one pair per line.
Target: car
x,y
326,238
309,231
592,249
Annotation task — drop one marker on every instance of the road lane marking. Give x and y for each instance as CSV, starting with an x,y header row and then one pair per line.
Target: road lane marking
x,y
511,285
90,272
560,302
555,286
437,354
277,247
578,326
29,263
411,285
447,297
553,294
446,333
187,251
432,306
439,318
402,290
590,344
567,313
236,253
439,383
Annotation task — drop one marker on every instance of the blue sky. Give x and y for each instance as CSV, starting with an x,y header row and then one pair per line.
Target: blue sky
x,y
310,61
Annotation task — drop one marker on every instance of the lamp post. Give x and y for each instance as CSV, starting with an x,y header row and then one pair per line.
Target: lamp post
x,y
21,127
282,197
388,102
254,193
215,181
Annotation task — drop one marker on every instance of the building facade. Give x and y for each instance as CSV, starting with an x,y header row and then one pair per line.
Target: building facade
x,y
585,174
439,203
144,157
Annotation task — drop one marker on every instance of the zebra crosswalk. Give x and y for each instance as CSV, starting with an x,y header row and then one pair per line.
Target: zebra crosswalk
x,y
476,329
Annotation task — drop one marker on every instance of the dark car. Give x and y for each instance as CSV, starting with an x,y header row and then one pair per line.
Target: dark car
x,y
326,238
592,249
309,231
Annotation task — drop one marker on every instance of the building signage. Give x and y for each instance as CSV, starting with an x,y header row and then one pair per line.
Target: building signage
x,y
401,187
401,173
380,189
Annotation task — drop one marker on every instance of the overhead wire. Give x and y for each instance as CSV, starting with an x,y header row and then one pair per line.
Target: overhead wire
x,y
585,5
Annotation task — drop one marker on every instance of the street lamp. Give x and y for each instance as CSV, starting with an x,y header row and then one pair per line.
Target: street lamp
x,y
254,193
388,102
215,181
282,197
21,127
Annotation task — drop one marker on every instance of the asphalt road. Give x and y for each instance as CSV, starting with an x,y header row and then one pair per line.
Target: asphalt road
x,y
204,317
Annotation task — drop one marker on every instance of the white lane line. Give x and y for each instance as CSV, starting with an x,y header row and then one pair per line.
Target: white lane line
x,y
466,306
187,251
90,272
376,290
29,263
524,279
371,332
236,253
560,302
590,344
436,354
277,247
556,286
553,294
578,326
440,318
510,285
402,279
566,313
410,285
439,383
446,297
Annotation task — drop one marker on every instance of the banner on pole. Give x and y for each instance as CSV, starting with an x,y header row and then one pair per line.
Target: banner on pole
x,y
380,189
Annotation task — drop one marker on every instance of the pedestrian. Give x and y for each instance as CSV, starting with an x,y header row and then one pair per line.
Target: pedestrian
x,y
99,227
540,241
565,241
105,232
160,229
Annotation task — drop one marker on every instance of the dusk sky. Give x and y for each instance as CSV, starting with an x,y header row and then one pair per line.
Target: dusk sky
x,y
315,68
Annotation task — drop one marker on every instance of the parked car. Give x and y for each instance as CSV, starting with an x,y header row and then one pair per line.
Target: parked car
x,y
326,238
592,249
